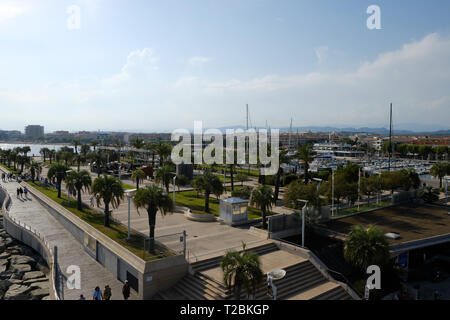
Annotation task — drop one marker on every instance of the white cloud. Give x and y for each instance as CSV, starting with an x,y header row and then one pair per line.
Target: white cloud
x,y
321,54
198,61
416,78
139,63
11,10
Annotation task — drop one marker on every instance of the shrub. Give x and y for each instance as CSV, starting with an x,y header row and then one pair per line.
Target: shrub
x,y
243,193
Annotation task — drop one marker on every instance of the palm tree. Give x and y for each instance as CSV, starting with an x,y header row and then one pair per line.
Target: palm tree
x,y
138,175
45,152
164,175
57,171
51,155
99,160
365,247
209,184
153,199
138,143
163,150
34,166
85,149
110,190
25,150
152,148
283,159
23,160
241,270
94,144
13,157
79,158
262,198
78,180
76,143
306,155
181,181
440,170
8,153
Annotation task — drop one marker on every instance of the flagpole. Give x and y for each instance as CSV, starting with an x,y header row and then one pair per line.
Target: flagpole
x,y
359,185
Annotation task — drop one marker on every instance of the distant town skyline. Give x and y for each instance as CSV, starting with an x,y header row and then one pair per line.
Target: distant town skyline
x,y
153,66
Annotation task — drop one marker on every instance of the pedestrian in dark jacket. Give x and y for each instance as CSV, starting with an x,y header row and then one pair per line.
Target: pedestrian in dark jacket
x,y
126,290
107,293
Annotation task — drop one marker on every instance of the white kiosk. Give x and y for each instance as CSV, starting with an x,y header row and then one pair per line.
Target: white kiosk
x,y
234,211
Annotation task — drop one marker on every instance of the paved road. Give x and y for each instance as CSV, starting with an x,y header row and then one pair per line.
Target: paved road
x,y
70,251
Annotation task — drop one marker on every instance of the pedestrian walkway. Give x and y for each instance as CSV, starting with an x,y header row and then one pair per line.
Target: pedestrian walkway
x,y
70,251
202,237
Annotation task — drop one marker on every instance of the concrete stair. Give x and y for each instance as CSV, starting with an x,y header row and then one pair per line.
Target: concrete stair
x,y
215,261
302,281
337,293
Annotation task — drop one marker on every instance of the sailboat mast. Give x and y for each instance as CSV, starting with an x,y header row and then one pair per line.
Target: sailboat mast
x,y
390,137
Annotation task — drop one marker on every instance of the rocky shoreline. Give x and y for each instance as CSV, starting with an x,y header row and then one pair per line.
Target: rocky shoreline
x,y
23,272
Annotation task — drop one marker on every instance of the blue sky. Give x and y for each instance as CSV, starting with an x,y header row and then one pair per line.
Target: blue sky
x,y
145,65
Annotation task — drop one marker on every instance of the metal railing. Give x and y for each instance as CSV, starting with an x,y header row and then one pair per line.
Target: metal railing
x,y
343,278
5,210
221,250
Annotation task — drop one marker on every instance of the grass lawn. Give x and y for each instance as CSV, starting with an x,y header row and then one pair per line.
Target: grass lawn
x,y
252,172
197,204
128,187
116,232
10,169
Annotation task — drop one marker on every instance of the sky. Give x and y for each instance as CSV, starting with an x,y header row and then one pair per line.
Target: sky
x,y
152,65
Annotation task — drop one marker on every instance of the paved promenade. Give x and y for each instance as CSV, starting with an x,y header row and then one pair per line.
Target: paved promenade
x,y
203,237
70,251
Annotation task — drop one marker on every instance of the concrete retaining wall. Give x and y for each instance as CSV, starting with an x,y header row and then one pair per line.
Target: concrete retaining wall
x,y
29,237
120,264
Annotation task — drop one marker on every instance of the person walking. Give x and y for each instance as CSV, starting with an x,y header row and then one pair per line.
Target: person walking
x,y
25,190
107,293
97,294
18,193
126,290
21,192
92,201
82,297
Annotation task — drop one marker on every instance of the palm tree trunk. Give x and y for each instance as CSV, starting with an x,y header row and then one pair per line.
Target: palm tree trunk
x,y
306,172
152,223
137,184
59,189
237,291
107,214
231,178
264,219
79,200
206,202
277,183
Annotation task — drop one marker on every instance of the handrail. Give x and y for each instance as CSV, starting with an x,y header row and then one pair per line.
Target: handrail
x,y
226,249
346,281
5,209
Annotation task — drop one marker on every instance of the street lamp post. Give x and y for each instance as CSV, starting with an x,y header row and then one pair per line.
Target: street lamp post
x,y
174,178
332,192
130,194
303,220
